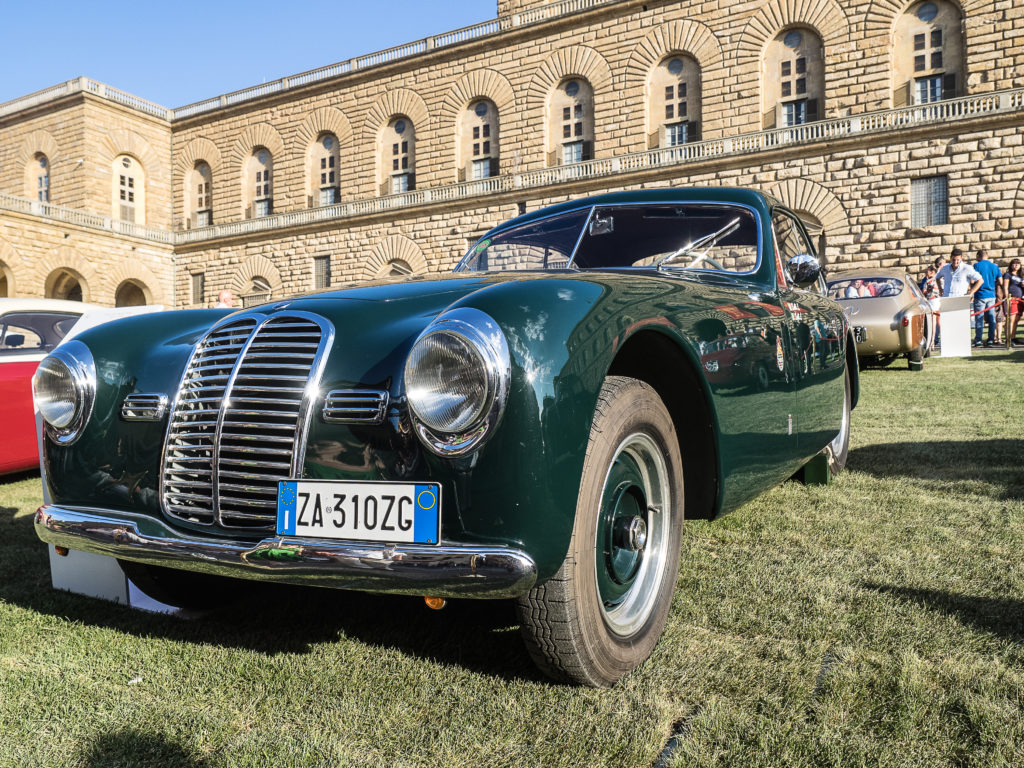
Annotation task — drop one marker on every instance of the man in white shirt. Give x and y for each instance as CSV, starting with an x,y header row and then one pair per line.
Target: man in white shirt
x,y
958,278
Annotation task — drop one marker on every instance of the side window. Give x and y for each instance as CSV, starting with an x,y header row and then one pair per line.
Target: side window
x,y
33,331
789,237
791,241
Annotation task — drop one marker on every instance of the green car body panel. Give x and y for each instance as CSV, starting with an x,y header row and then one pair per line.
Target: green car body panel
x,y
566,330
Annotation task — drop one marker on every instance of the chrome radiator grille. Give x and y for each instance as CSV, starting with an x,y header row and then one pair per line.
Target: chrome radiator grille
x,y
238,423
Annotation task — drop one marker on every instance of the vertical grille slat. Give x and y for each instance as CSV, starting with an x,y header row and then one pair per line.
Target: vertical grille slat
x,y
244,393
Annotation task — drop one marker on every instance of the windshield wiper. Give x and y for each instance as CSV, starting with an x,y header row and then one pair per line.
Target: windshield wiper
x,y
707,240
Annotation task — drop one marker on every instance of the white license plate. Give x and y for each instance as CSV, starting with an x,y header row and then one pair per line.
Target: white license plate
x,y
360,511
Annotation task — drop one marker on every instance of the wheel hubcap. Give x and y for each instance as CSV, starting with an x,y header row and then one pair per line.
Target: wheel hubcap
x,y
631,533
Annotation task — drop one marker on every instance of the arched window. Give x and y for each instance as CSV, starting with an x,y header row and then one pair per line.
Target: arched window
x,y
64,284
323,174
259,183
5,284
928,54
199,195
674,102
41,171
259,292
398,268
129,190
130,294
478,141
398,156
571,123
793,79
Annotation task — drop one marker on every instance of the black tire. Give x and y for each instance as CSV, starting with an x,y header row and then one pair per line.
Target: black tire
x,y
763,381
183,589
915,358
838,450
577,626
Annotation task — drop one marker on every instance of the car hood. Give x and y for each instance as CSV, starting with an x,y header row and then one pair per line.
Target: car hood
x,y
376,324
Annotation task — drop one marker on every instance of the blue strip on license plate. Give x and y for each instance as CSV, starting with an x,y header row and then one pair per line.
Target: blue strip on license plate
x,y
360,511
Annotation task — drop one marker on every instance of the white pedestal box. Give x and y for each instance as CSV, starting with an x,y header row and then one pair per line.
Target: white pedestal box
x,y
955,326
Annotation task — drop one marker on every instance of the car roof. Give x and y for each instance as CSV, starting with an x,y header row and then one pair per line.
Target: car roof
x,y
861,274
663,195
45,305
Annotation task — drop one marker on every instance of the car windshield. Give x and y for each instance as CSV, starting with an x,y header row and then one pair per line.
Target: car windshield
x,y
680,236
865,287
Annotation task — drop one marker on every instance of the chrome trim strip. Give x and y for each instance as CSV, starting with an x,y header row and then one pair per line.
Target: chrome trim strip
x,y
144,407
218,428
446,570
355,406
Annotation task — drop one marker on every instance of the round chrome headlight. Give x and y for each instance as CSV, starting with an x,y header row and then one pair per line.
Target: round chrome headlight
x,y
64,387
54,389
456,380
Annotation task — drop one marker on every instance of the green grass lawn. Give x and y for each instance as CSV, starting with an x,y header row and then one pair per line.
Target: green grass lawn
x,y
878,621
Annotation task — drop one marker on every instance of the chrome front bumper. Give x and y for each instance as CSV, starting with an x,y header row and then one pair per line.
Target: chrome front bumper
x,y
444,570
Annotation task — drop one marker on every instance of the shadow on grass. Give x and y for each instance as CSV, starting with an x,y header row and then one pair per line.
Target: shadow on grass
x,y
481,635
998,616
17,477
996,462
131,749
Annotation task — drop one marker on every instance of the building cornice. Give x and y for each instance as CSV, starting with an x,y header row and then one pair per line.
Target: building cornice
x,y
486,29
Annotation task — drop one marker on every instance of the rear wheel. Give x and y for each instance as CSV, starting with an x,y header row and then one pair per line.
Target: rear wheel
x,y
601,614
915,358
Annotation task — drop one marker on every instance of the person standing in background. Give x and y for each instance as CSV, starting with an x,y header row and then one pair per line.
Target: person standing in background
x,y
984,303
930,288
958,278
1013,288
225,300
939,263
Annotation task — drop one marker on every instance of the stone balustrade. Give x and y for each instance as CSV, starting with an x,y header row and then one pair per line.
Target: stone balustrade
x,y
893,120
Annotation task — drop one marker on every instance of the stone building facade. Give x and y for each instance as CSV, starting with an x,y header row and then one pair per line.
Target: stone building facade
x,y
893,127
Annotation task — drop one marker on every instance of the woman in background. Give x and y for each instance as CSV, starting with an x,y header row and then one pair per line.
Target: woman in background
x,y
1013,287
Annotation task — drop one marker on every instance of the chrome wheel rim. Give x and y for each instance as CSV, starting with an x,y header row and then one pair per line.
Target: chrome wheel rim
x,y
844,427
632,534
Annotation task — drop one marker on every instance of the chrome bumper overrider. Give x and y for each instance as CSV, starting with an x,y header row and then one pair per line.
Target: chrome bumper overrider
x,y
445,571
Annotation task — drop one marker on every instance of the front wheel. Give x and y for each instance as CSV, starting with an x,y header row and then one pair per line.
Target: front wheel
x,y
838,450
600,616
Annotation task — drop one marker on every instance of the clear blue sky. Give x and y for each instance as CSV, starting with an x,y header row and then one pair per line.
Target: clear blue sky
x,y
179,51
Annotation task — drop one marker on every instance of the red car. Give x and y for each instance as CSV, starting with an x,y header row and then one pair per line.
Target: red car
x,y
29,330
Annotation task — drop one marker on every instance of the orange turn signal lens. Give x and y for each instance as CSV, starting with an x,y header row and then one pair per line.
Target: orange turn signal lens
x,y
62,551
435,603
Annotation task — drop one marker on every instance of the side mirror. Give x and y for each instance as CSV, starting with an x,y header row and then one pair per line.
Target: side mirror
x,y
803,270
14,340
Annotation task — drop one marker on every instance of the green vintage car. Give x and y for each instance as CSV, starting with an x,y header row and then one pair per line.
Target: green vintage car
x,y
535,426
